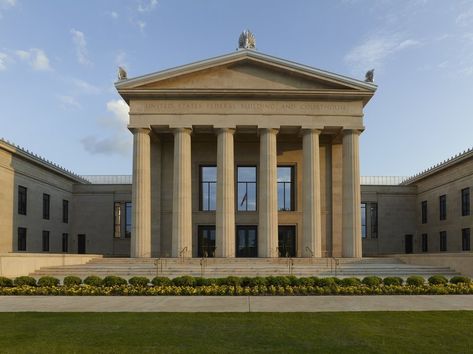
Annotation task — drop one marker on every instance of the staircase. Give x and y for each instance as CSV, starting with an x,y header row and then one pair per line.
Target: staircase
x,y
222,267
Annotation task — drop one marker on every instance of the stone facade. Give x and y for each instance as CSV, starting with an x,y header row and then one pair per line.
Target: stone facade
x,y
295,129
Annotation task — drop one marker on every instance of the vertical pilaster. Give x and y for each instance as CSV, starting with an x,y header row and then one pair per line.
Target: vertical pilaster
x,y
351,194
141,194
182,197
225,213
268,195
312,239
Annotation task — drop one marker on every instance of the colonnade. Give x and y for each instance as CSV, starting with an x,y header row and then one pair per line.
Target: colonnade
x,y
267,194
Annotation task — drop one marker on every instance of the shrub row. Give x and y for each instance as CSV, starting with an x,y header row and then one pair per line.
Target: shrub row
x,y
231,290
245,282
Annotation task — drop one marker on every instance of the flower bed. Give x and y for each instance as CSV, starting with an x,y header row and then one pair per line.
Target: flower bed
x,y
235,286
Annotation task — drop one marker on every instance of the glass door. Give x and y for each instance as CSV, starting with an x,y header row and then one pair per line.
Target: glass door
x,y
247,241
206,241
287,241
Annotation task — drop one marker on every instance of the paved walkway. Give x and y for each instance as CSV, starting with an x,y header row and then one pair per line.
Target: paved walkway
x,y
234,303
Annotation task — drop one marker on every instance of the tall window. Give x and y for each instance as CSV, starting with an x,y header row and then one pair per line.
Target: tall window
x,y
425,243
424,211
22,239
46,206
465,201
363,221
246,182
443,207
443,241
65,211
374,219
117,220
466,239
45,241
128,219
22,191
208,188
285,188
65,242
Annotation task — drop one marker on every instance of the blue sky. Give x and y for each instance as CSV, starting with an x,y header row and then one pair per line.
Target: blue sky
x,y
58,63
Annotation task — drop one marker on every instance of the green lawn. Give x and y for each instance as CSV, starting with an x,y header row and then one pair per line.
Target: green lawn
x,y
366,332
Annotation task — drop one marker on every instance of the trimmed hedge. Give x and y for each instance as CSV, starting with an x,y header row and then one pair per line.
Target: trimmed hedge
x,y
72,280
25,280
48,281
438,280
415,280
138,281
273,285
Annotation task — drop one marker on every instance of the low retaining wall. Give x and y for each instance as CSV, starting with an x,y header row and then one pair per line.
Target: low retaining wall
x,y
461,262
17,264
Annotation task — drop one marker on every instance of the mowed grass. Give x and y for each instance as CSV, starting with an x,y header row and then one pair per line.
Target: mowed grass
x,y
365,332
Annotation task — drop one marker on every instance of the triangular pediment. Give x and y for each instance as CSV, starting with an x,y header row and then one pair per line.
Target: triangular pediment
x,y
244,71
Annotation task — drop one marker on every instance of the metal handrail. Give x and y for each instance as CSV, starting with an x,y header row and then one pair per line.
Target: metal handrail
x,y
333,261
290,264
307,248
159,266
203,264
182,253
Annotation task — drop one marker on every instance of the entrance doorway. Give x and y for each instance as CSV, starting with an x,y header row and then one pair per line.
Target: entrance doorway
x,y
81,244
409,244
206,241
247,241
287,241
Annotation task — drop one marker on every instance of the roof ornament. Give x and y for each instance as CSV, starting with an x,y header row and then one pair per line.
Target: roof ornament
x,y
247,40
122,75
369,76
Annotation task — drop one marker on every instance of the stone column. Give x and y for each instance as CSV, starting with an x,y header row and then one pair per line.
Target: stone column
x,y
351,195
141,194
268,195
181,195
312,239
225,213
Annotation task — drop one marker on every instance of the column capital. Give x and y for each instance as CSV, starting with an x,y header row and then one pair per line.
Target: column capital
x,y
181,130
268,130
225,130
140,130
305,131
351,131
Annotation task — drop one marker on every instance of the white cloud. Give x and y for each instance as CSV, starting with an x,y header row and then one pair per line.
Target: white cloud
x,y
68,101
7,3
465,18
85,87
147,5
141,25
376,49
35,57
80,43
119,139
3,61
114,14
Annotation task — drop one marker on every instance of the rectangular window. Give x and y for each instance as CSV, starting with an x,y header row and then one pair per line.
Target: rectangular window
x,y
208,188
374,219
45,241
65,242
22,239
246,188
22,192
128,219
465,201
443,207
117,220
286,188
466,239
364,230
443,241
425,243
65,211
424,211
46,206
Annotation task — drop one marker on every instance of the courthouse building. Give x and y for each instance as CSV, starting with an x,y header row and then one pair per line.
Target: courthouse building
x,y
242,155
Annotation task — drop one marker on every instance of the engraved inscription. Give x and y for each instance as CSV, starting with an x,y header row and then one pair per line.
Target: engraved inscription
x,y
241,107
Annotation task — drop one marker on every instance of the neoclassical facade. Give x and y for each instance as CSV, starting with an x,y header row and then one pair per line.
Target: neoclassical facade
x,y
246,155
